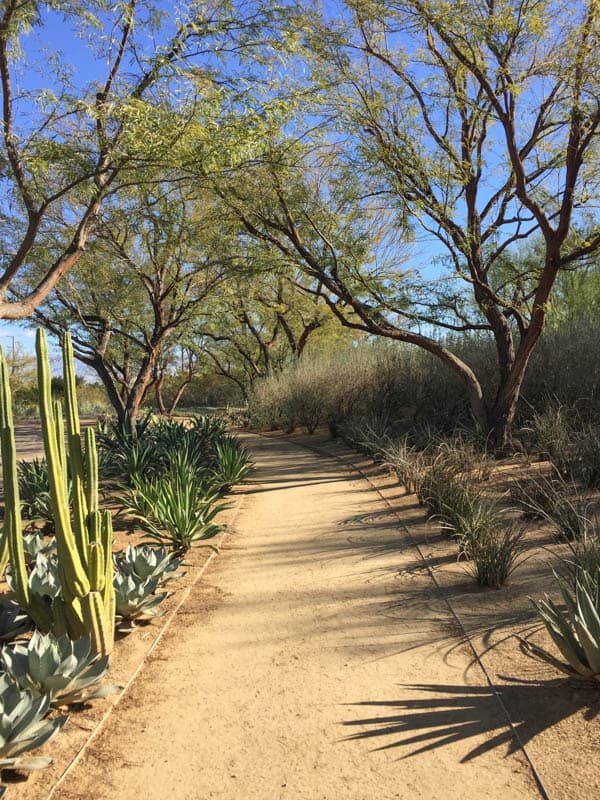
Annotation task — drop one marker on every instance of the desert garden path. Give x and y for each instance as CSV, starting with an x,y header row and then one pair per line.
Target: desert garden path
x,y
310,663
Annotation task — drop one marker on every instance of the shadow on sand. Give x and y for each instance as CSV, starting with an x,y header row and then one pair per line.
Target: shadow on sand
x,y
458,713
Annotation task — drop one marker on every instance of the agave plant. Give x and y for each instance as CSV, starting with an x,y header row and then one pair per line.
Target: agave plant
x,y
35,543
65,671
575,630
23,727
136,599
147,562
208,427
34,489
43,579
176,509
13,623
233,463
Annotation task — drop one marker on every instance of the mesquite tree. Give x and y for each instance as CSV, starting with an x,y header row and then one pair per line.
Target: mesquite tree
x,y
462,131
91,92
155,262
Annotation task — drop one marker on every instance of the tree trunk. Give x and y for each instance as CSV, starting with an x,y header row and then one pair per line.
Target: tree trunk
x,y
158,390
178,395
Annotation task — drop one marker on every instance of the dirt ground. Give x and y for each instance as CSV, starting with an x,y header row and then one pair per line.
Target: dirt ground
x,y
327,652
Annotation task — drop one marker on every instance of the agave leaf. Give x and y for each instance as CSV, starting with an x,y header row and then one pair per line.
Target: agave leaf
x,y
564,639
32,763
544,655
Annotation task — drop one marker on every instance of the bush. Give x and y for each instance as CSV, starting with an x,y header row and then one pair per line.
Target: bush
x,y
416,393
495,554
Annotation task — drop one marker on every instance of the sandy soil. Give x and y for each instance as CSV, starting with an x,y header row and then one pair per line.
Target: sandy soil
x,y
315,660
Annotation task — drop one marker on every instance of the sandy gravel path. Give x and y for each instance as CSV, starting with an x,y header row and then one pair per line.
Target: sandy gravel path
x,y
294,670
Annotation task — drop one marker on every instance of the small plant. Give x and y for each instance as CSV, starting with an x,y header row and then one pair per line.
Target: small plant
x,y
135,599
36,543
23,727
537,496
147,562
13,623
585,555
406,462
495,555
208,427
575,630
477,519
557,501
43,580
174,509
233,464
65,671
34,488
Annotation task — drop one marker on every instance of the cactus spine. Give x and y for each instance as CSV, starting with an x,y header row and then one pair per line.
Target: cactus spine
x,y
84,545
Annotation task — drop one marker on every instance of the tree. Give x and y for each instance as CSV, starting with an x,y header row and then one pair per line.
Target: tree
x,y
176,369
137,290
71,144
469,128
259,323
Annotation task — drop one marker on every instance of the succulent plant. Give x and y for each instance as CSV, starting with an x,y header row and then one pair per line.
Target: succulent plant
x,y
135,599
146,562
233,463
23,727
34,488
66,671
83,534
13,623
43,580
174,509
35,542
575,630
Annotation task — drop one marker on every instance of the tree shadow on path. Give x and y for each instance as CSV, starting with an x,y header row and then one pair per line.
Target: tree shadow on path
x,y
457,713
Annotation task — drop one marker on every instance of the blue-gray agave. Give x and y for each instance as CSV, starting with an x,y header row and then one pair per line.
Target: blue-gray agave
x,y
63,670
35,542
43,580
147,562
23,727
135,599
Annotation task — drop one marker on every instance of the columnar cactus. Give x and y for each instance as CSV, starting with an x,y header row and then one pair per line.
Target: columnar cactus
x,y
83,540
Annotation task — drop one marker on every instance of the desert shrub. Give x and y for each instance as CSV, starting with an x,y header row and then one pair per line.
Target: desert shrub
x,y
584,556
495,554
406,461
473,518
419,395
558,501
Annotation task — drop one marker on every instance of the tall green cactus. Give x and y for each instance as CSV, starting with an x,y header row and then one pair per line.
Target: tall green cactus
x,y
83,540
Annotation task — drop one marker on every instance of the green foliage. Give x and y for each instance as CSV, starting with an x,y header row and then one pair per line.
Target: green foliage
x,y
233,463
495,553
175,509
34,487
574,629
63,670
23,727
147,562
136,598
